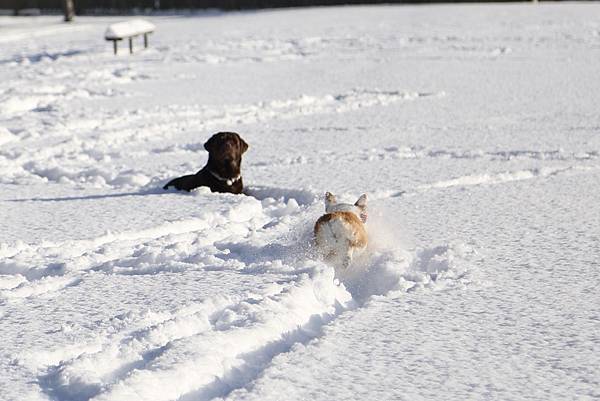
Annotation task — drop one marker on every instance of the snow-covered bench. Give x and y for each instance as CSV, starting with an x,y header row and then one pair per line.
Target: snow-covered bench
x,y
129,30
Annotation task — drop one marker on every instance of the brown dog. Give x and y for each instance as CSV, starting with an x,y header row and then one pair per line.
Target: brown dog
x,y
340,233
222,171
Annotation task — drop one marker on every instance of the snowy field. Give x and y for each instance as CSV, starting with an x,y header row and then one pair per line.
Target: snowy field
x,y
474,129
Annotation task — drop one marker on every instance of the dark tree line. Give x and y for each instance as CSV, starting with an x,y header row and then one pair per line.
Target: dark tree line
x,y
82,7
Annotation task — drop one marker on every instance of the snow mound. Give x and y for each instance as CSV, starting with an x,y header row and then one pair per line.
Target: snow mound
x,y
128,28
301,196
6,136
391,272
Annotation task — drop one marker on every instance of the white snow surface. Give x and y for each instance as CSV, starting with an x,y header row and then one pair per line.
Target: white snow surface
x,y
120,30
474,130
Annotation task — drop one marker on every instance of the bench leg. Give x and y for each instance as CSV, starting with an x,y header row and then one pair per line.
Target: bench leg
x,y
115,46
145,41
130,45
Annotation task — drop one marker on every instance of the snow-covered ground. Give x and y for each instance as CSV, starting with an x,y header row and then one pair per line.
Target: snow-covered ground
x,y
475,130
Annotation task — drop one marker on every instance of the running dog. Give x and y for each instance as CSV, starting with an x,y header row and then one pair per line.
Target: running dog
x,y
340,233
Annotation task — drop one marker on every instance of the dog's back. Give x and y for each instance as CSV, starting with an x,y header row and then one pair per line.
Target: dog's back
x,y
339,235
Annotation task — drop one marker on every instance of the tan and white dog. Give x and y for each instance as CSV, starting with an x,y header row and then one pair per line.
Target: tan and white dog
x,y
340,233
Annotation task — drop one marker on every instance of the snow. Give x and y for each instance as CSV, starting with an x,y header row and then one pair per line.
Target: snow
x,y
125,29
473,129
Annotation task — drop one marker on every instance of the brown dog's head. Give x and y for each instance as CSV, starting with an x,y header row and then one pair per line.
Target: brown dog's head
x,y
359,208
225,151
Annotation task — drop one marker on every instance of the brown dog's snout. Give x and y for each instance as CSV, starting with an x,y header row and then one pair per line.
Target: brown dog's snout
x,y
230,166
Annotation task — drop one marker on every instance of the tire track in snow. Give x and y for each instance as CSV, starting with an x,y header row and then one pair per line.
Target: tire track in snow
x,y
78,158
419,152
42,286
114,329
172,246
487,179
503,177
31,93
255,327
111,357
148,364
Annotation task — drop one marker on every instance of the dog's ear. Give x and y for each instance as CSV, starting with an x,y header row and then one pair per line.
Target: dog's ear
x,y
329,200
243,145
210,144
361,203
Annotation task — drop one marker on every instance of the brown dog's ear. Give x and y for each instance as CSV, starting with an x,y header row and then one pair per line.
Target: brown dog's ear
x,y
329,201
362,201
243,145
210,144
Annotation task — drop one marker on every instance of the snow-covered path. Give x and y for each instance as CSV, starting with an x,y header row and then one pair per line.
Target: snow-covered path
x,y
474,129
